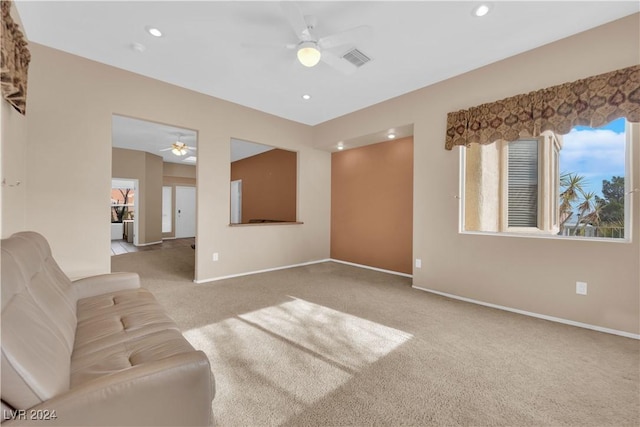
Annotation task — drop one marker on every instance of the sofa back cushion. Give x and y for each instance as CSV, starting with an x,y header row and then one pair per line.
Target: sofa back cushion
x,y
38,322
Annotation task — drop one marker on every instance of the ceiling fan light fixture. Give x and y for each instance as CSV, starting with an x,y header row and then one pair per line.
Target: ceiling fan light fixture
x,y
308,54
179,148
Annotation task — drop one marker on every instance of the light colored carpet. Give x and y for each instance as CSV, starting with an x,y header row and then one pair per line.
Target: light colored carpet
x,y
329,344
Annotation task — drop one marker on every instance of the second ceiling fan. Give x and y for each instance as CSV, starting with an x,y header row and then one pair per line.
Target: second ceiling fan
x,y
179,148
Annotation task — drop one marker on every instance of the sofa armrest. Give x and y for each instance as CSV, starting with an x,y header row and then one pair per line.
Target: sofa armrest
x,y
174,391
105,283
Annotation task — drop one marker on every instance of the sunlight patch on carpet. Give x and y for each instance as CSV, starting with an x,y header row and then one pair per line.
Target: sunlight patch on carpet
x,y
347,340
283,358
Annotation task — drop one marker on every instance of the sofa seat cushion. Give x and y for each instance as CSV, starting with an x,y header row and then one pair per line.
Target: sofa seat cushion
x,y
112,319
113,302
100,361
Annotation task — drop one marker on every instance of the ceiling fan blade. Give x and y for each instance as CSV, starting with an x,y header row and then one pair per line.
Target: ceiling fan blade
x,y
296,19
353,35
267,45
192,148
167,149
338,63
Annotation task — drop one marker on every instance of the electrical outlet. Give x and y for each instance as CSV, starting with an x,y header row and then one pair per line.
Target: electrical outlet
x,y
215,256
418,263
581,288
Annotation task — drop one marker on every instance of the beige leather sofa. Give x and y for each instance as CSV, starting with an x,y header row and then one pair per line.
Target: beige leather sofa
x,y
96,351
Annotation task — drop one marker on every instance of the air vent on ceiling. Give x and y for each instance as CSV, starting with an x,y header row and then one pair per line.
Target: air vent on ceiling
x,y
356,57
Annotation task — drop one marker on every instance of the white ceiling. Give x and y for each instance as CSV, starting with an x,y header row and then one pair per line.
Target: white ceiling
x,y
156,138
242,149
235,50
152,137
204,46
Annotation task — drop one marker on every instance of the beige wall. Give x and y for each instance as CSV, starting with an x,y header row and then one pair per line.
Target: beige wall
x,y
153,198
531,274
13,170
372,205
71,101
13,155
147,169
176,170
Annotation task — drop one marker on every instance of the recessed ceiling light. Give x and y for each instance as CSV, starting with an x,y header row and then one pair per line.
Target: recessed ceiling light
x,y
138,47
481,10
340,146
306,97
391,135
154,32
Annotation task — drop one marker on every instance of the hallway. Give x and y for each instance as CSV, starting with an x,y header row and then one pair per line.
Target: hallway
x,y
119,247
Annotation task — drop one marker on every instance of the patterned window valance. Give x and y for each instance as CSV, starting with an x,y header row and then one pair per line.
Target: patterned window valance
x,y
593,101
15,61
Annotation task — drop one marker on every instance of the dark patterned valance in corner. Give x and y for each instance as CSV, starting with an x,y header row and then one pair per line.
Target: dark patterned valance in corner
x,y
593,101
15,61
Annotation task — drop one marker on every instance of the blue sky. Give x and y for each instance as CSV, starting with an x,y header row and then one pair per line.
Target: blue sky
x,y
596,154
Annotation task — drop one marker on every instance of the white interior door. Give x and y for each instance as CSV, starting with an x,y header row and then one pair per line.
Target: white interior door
x,y
236,201
167,212
185,212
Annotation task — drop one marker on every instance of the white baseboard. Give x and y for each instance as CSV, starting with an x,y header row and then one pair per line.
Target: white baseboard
x,y
248,273
537,315
444,294
382,270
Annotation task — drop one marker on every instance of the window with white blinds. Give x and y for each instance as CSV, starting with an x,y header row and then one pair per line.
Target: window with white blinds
x,y
522,184
576,185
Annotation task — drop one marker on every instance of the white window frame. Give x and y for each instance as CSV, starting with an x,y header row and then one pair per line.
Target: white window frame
x,y
632,133
504,187
548,184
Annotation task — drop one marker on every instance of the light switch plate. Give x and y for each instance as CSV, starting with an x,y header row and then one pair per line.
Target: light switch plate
x,y
581,288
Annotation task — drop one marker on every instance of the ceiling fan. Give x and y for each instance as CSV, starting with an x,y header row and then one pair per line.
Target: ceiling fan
x,y
312,48
179,148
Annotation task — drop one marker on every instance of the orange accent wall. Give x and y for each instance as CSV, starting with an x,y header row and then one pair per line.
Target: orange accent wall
x,y
372,205
269,185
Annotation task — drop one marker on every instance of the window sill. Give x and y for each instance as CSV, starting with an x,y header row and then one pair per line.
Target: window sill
x,y
547,236
262,224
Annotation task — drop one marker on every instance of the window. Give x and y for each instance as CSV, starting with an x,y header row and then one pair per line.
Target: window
x,y
575,185
122,200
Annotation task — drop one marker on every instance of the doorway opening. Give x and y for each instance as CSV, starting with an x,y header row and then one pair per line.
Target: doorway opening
x,y
162,159
124,210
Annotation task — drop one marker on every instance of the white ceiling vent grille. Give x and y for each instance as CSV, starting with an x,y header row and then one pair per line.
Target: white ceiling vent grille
x,y
356,57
